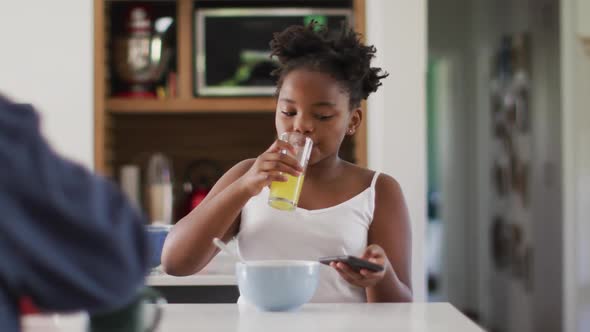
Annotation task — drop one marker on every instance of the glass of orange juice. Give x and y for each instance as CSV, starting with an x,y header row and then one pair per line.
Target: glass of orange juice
x,y
285,195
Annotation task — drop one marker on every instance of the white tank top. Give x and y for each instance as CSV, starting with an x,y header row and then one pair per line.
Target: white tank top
x,y
268,233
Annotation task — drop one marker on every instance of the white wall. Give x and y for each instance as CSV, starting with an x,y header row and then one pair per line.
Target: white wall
x,y
547,224
576,170
449,43
396,113
485,40
46,59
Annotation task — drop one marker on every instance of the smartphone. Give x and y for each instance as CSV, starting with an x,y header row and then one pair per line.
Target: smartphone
x,y
354,262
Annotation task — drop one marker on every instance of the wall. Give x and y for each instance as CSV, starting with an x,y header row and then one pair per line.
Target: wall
x,y
576,171
547,205
485,22
449,43
46,60
397,115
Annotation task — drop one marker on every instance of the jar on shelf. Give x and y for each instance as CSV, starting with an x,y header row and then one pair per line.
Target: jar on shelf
x,y
159,190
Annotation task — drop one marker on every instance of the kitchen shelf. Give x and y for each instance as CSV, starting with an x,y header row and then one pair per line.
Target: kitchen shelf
x,y
193,105
225,129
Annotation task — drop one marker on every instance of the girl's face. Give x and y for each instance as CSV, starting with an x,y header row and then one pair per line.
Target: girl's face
x,y
314,104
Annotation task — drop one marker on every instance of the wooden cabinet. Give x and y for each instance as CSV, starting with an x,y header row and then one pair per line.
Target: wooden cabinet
x,y
184,127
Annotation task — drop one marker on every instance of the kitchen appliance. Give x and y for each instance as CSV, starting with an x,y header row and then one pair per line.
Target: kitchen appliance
x,y
230,66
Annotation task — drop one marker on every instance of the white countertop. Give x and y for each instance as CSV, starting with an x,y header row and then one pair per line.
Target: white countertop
x,y
199,279
414,317
219,272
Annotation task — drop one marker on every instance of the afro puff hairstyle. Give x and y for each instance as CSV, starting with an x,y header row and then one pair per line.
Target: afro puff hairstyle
x,y
342,56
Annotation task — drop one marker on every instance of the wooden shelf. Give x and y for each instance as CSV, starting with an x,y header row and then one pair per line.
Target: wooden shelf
x,y
194,105
247,122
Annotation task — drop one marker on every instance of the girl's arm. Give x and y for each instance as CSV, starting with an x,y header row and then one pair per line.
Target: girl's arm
x,y
188,247
391,231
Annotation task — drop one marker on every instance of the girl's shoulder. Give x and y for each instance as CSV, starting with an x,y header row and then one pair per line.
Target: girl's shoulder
x,y
381,181
358,172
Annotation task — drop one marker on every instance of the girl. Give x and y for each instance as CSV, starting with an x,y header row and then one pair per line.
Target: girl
x,y
343,208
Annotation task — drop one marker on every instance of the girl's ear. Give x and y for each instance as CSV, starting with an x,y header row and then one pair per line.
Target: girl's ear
x,y
356,117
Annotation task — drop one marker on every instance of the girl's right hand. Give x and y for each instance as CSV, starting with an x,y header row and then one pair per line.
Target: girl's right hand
x,y
269,167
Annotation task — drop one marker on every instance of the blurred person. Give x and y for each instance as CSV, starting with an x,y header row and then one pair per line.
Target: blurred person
x,y
69,240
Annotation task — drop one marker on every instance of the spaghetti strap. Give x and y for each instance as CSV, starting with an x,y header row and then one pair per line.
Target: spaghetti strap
x,y
374,181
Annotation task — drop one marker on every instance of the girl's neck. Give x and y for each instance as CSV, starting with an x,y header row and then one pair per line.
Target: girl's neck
x,y
325,169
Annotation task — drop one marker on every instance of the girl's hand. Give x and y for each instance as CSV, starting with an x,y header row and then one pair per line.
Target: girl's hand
x,y
364,278
270,167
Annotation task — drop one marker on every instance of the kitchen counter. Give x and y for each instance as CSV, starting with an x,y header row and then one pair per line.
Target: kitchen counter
x,y
216,283
326,317
199,279
211,285
219,272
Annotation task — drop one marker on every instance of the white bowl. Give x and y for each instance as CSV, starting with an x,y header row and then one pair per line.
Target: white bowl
x,y
278,285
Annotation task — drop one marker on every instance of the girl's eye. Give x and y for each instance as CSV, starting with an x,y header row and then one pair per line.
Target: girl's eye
x,y
323,117
288,113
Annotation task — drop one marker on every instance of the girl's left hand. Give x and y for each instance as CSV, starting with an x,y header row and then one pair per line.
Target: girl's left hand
x,y
364,278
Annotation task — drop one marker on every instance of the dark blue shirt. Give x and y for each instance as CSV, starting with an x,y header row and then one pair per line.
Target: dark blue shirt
x,y
68,239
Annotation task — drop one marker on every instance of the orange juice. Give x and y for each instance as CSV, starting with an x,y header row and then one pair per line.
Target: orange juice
x,y
285,195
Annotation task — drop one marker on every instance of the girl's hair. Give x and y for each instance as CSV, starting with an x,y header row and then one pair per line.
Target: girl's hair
x,y
344,57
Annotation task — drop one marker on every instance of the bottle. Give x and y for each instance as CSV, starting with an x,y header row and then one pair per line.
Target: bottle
x,y
159,189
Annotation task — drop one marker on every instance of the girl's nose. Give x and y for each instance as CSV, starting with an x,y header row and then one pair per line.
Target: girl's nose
x,y
303,125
